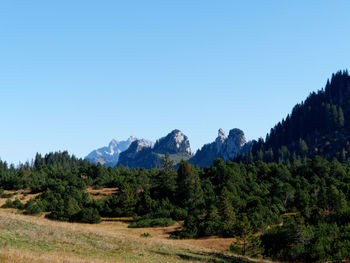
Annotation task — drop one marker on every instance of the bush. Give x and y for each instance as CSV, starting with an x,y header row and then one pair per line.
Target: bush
x,y
152,223
18,204
57,215
209,228
179,213
234,248
8,204
4,195
32,208
87,215
13,204
146,234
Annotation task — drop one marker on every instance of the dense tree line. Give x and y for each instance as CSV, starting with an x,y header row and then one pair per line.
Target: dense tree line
x,y
293,211
318,126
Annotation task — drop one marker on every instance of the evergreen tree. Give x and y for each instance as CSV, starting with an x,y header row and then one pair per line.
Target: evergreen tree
x,y
247,243
227,212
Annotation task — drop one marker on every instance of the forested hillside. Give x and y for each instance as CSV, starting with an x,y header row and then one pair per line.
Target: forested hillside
x,y
318,126
299,211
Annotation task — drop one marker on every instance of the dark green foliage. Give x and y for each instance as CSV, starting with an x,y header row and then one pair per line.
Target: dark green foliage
x,y
157,222
247,244
32,208
318,126
18,204
60,160
146,234
297,242
301,207
87,215
8,204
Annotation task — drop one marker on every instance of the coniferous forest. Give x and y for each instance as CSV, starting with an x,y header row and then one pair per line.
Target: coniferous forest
x,y
318,126
288,199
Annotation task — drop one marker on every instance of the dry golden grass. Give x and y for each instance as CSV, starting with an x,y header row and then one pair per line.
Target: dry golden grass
x,y
26,255
37,239
101,193
22,195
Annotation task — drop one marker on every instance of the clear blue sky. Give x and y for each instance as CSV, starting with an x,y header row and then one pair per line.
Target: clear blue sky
x,y
75,74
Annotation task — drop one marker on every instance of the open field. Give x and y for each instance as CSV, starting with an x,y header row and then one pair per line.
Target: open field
x,y
36,239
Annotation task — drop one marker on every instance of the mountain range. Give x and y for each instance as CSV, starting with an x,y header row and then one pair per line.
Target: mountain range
x,y
109,155
143,153
320,125
176,145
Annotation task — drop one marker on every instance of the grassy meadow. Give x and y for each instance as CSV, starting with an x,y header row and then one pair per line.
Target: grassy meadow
x,y
36,239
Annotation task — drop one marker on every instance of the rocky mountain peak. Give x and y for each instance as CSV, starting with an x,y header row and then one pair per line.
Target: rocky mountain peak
x,y
237,136
220,140
223,147
221,133
113,143
233,144
174,142
134,148
109,155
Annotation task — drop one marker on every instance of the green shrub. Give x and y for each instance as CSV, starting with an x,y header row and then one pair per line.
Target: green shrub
x,y
87,215
179,213
146,234
157,222
4,195
13,204
32,208
18,204
57,215
8,204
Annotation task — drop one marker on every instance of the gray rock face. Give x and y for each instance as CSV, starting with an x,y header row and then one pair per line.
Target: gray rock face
x,y
233,144
136,147
109,155
220,140
175,144
223,147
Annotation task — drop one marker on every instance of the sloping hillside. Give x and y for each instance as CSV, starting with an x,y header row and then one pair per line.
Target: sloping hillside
x,y
320,125
36,239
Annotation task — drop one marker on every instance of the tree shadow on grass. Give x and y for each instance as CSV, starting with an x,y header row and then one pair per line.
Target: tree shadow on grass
x,y
118,219
205,257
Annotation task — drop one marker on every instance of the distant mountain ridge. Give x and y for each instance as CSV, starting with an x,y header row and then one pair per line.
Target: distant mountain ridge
x,y
223,147
138,155
109,155
143,153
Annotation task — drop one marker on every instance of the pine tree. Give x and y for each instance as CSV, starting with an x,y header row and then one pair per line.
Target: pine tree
x,y
189,190
128,200
227,211
340,118
247,243
166,180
